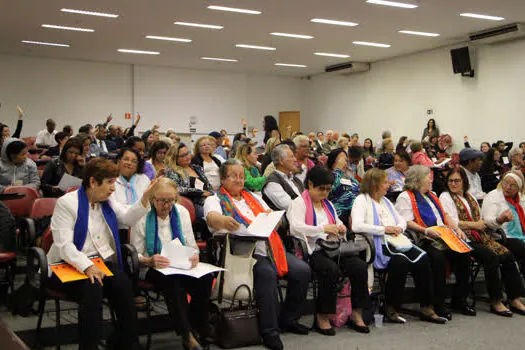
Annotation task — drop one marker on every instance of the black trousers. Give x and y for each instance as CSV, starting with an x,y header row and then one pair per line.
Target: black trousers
x,y
517,248
119,292
397,271
459,264
328,271
492,264
266,293
186,317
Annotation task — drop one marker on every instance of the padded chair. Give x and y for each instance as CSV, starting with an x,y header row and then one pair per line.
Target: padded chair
x,y
43,207
21,207
188,204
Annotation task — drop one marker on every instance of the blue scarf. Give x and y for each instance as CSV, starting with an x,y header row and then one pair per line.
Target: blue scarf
x,y
425,210
153,243
381,260
131,194
81,225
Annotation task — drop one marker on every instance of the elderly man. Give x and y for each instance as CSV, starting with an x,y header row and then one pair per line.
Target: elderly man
x,y
225,212
471,161
302,151
115,136
330,143
516,159
101,147
46,138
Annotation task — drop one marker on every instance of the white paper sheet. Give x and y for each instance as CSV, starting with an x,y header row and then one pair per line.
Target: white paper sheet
x,y
178,254
197,272
68,181
262,226
443,163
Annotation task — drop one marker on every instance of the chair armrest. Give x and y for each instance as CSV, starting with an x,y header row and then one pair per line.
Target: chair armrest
x,y
27,233
37,274
130,259
371,245
498,234
300,245
413,236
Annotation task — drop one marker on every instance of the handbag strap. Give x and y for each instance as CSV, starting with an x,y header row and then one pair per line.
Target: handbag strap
x,y
235,295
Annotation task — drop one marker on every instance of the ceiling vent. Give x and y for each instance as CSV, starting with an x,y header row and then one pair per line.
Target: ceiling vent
x,y
499,34
348,68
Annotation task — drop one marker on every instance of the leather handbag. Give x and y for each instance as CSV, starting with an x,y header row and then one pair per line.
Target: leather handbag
x,y
238,326
334,249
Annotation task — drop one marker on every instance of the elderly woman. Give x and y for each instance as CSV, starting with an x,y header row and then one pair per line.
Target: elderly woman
x,y
464,209
375,215
190,178
344,188
312,217
203,157
138,144
70,162
15,168
231,207
158,153
85,223
386,156
168,222
422,210
503,208
253,181
397,173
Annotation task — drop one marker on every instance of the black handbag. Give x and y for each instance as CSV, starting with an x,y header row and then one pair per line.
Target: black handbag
x,y
335,249
238,326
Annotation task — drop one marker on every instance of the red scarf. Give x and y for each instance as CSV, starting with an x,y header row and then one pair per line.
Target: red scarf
x,y
515,202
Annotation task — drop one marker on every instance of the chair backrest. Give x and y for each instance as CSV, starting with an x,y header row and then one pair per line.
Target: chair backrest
x,y
47,240
73,188
22,206
30,141
43,207
188,204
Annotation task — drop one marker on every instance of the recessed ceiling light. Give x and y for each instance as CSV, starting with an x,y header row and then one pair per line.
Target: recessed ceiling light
x,y
199,25
76,29
44,43
411,32
90,13
331,54
297,36
139,52
219,59
392,3
244,46
366,43
475,15
334,22
233,9
167,38
291,65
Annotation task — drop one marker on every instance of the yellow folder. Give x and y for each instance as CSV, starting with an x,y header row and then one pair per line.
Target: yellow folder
x,y
67,273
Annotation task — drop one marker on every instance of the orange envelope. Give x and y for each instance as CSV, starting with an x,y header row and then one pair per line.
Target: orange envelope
x,y
452,240
67,273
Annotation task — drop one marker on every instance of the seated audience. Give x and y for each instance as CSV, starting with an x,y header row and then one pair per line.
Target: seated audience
x,y
373,214
464,209
312,217
368,148
189,177
253,181
504,147
173,136
203,157
356,164
131,182
516,160
85,223
158,153
402,144
104,146
387,134
136,143
330,143
386,154
318,144
282,186
46,138
419,156
344,188
422,210
70,162
114,136
61,138
219,149
302,152
16,169
471,161
397,173
68,129
225,212
484,147
491,170
239,139
168,222
5,132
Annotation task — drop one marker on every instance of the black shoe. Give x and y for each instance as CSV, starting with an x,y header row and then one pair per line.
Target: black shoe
x,y
273,342
359,329
464,309
445,314
329,331
504,313
196,347
517,311
433,319
296,328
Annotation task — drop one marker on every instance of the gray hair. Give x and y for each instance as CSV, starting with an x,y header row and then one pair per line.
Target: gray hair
x,y
386,134
515,151
279,153
300,138
415,176
223,170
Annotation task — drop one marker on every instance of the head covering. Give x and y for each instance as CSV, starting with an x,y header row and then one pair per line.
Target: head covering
x,y
467,154
215,134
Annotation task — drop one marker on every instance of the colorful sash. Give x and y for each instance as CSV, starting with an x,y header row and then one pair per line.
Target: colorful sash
x,y
423,214
464,215
153,243
277,252
514,204
311,218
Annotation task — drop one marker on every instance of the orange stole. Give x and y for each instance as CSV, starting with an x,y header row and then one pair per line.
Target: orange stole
x,y
415,209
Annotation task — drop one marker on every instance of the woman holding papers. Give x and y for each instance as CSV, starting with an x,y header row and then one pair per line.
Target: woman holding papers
x,y
170,222
464,209
70,162
395,254
313,217
84,224
423,211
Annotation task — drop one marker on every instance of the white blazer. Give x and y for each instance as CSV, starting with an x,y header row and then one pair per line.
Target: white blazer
x,y
494,204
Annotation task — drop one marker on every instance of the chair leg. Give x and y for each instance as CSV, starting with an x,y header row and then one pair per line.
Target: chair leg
x,y
57,322
148,313
41,306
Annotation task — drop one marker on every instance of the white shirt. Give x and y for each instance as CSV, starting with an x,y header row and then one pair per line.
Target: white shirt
x,y
99,239
360,213
276,193
211,170
138,232
141,184
475,184
213,204
310,234
302,175
450,207
404,208
44,137
493,206
102,145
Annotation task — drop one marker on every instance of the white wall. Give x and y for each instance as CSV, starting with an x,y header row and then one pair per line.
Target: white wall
x,y
396,93
77,92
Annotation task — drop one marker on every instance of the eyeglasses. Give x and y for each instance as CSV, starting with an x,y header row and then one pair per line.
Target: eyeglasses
x,y
165,201
235,178
184,155
324,188
455,181
506,184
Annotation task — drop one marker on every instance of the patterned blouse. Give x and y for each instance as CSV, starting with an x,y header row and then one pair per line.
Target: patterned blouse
x,y
344,191
186,184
